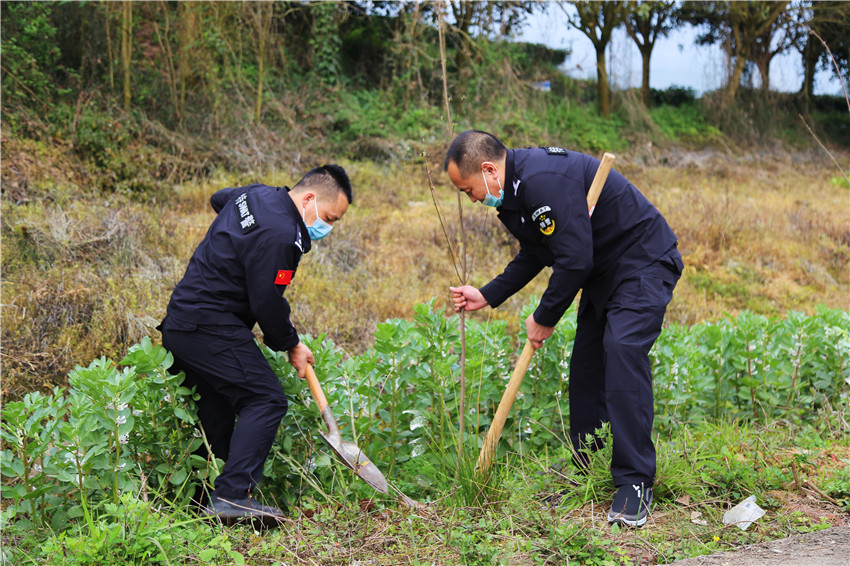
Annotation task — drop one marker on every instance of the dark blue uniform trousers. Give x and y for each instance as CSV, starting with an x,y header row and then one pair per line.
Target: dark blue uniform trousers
x,y
234,380
610,377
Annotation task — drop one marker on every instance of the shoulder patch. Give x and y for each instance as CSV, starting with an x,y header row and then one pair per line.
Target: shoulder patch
x,y
545,220
247,220
555,150
284,277
540,211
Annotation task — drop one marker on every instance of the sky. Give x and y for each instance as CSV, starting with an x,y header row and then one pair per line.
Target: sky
x,y
676,59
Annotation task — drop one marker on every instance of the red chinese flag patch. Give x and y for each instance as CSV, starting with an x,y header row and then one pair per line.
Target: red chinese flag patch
x,y
284,277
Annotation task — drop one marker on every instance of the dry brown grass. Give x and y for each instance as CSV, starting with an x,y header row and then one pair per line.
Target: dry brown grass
x,y
767,236
86,275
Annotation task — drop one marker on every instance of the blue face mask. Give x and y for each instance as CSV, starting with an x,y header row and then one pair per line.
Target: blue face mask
x,y
490,200
319,229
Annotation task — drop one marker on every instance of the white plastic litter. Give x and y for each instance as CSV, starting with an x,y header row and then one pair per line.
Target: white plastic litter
x,y
744,513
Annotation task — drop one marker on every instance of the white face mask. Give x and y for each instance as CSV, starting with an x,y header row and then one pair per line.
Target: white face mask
x,y
489,199
318,229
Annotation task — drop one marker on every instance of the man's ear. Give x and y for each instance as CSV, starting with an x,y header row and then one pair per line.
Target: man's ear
x,y
489,166
307,198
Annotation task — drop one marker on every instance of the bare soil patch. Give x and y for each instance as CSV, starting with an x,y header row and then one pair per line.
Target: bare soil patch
x,y
829,547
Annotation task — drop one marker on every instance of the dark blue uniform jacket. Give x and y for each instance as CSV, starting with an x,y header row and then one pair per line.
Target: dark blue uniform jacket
x,y
240,270
545,208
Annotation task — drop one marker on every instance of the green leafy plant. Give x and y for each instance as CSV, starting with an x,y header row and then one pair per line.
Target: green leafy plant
x,y
116,431
132,427
29,430
838,486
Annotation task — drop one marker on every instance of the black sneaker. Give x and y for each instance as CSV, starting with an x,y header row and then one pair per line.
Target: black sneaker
x,y
631,505
230,510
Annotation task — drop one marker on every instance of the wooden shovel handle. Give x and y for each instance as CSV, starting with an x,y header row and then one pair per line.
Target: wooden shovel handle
x,y
505,405
316,389
605,165
321,400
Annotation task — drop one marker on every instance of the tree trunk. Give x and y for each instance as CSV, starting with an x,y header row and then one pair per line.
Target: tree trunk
x,y
735,78
263,16
165,44
110,53
463,12
764,71
126,36
258,107
185,35
603,90
810,60
644,81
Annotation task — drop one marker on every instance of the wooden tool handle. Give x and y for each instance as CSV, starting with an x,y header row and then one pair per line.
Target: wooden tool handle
x,y
324,408
316,389
504,408
599,181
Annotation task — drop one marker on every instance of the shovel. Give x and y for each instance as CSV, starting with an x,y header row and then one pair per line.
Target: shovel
x,y
485,457
348,452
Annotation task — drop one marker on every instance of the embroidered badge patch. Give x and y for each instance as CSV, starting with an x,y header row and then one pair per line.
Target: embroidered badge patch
x,y
555,150
284,277
246,216
545,220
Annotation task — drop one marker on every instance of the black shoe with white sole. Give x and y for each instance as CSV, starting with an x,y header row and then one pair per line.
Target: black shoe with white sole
x,y
631,505
230,510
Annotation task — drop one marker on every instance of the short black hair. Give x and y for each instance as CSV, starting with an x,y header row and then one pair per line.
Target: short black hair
x,y
472,148
326,177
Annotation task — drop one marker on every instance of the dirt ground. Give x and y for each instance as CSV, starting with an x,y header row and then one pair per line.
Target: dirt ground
x,y
830,547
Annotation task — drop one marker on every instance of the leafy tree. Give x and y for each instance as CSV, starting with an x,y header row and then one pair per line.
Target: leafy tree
x,y
326,42
780,36
737,26
408,48
598,20
645,23
830,21
29,51
508,14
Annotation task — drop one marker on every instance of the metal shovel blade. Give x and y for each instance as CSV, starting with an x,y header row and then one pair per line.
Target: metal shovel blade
x,y
357,461
348,452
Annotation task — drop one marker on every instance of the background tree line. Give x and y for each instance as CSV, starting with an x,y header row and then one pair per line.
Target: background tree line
x,y
177,61
750,33
148,93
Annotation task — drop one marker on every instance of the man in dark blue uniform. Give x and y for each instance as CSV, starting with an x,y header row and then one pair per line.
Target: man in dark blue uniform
x,y
625,261
236,278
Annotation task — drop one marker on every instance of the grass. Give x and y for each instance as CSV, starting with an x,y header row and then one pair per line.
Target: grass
x,y
540,518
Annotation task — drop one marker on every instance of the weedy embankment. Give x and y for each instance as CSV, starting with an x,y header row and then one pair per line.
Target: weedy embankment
x,y
87,273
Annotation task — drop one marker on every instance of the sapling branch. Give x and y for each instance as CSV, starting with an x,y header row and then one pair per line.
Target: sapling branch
x,y
824,148
843,86
441,216
462,275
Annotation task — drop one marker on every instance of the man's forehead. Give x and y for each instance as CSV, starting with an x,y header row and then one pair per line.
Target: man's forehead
x,y
454,172
341,204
